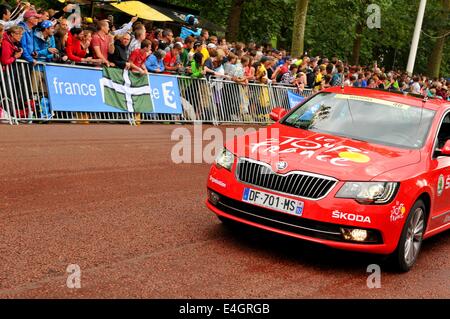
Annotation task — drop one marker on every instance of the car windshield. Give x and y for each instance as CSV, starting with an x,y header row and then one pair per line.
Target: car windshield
x,y
365,119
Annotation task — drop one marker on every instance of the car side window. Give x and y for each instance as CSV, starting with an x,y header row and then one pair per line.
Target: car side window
x,y
444,132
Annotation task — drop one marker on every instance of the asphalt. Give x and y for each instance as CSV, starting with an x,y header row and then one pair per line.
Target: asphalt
x,y
109,199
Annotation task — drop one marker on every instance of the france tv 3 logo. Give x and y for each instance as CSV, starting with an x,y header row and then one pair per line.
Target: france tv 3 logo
x,y
169,94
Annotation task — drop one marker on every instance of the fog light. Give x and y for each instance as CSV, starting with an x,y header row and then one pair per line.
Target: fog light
x,y
354,234
213,197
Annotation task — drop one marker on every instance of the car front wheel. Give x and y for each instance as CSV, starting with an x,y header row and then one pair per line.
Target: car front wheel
x,y
411,239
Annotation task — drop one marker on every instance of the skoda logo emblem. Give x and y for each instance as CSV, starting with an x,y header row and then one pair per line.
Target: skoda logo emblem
x,y
282,165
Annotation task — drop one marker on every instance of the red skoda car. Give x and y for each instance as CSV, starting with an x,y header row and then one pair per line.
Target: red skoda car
x,y
356,169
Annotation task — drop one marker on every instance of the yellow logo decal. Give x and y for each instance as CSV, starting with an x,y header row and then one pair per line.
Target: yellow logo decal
x,y
355,157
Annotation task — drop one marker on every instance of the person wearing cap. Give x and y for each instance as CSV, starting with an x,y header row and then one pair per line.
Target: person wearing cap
x,y
211,46
198,46
261,72
31,19
44,42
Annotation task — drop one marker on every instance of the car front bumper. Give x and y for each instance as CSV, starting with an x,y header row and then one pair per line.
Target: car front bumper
x,y
317,223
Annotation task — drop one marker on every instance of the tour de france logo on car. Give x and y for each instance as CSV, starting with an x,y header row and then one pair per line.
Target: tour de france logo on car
x,y
355,157
398,212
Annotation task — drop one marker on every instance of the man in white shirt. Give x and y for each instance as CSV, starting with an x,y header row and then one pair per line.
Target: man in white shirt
x,y
5,13
415,87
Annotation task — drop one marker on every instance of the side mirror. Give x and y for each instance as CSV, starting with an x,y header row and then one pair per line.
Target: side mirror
x,y
446,149
277,113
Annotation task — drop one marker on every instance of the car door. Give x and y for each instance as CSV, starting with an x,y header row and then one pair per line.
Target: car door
x,y
441,177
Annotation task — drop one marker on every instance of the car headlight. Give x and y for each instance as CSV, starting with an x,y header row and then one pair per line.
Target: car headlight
x,y
369,192
225,159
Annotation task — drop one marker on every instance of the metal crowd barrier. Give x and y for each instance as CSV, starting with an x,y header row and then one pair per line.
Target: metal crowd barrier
x,y
23,91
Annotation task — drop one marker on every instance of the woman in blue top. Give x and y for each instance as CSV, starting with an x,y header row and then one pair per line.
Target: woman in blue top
x,y
155,62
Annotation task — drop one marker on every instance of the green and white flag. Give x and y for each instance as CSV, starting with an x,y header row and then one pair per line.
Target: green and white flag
x,y
126,90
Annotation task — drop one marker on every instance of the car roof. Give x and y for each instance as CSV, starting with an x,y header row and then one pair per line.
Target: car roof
x,y
396,97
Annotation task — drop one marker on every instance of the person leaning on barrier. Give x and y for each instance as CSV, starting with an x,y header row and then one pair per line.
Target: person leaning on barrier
x,y
186,56
261,70
44,42
31,20
155,63
10,45
120,55
171,58
44,46
102,43
74,49
61,37
139,56
197,67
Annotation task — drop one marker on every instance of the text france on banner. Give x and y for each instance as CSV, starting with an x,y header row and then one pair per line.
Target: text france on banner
x,y
111,90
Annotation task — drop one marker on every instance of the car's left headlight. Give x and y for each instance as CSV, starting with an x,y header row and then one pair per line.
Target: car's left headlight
x,y
369,192
225,159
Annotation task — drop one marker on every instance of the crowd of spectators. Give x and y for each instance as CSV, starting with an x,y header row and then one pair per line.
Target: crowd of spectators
x,y
38,35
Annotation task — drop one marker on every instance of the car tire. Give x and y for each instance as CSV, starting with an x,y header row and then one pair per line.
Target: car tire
x,y
411,238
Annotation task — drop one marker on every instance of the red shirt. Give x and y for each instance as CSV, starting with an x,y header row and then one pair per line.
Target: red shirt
x,y
73,49
170,60
284,69
138,57
102,41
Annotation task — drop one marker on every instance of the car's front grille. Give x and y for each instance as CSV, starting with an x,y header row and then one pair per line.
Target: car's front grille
x,y
303,184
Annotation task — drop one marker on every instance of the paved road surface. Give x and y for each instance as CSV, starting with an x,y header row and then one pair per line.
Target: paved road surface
x,y
108,198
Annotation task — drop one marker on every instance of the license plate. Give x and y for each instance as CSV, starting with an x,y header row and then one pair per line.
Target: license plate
x,y
275,202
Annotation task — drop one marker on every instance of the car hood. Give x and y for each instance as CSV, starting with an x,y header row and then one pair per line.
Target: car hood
x,y
300,150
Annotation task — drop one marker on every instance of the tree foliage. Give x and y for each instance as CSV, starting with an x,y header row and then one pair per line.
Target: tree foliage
x,y
331,27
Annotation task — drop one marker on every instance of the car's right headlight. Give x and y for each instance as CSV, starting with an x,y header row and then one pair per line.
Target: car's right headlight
x,y
225,159
369,192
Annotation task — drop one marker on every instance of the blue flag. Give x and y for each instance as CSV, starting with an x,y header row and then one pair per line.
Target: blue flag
x,y
294,99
